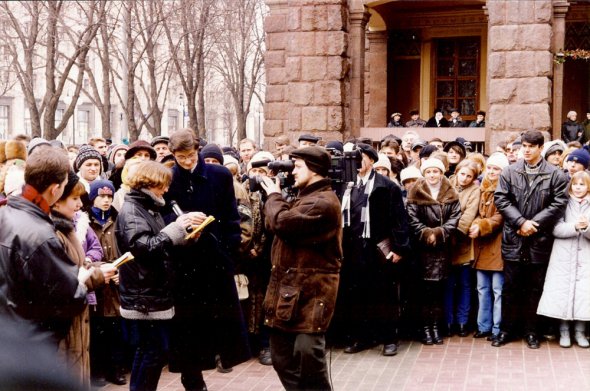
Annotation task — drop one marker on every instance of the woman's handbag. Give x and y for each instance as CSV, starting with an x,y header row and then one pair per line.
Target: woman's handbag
x,y
242,286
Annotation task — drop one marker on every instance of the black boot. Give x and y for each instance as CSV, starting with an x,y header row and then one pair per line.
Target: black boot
x,y
426,336
436,335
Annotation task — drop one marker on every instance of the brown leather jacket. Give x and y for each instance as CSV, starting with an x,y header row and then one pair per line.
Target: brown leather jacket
x,y
306,258
488,245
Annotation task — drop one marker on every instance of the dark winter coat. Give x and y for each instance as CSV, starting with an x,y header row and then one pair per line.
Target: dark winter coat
x,y
543,201
145,282
431,123
459,123
208,319
38,281
572,131
306,259
439,217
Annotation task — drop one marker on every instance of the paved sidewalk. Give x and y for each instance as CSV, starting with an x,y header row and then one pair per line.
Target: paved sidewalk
x,y
460,364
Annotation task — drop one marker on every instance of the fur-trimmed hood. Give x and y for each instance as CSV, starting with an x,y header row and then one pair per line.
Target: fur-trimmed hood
x,y
80,225
62,224
420,193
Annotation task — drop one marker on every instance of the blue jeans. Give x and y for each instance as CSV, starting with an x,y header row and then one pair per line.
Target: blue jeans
x,y
489,292
458,290
150,339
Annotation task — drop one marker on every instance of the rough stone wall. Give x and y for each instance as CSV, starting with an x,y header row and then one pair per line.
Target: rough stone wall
x,y
520,65
306,68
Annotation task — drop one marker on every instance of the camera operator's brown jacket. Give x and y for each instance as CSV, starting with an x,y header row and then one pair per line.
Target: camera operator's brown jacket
x,y
306,258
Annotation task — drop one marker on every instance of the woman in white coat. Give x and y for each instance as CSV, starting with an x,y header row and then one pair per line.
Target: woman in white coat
x,y
566,294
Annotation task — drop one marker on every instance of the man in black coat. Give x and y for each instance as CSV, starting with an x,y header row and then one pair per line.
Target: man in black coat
x,y
39,283
531,196
376,237
208,320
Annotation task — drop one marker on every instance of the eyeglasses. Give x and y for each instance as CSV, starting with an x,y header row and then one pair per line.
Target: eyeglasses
x,y
182,158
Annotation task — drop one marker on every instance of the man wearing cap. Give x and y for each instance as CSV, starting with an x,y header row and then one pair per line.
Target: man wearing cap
x,y
160,145
306,259
415,151
531,196
88,165
281,143
576,160
456,121
308,140
375,239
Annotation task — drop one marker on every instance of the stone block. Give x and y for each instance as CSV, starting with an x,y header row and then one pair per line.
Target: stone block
x,y
496,13
495,118
533,90
274,58
278,41
541,116
314,18
520,64
503,37
293,20
273,127
293,68
331,43
302,44
300,93
336,20
276,110
300,3
497,64
502,90
520,12
544,63
274,23
519,117
543,11
275,93
534,37
294,124
338,67
314,68
313,118
276,75
327,93
335,118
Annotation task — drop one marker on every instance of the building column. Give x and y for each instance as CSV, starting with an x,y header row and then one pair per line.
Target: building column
x,y
358,24
377,79
559,11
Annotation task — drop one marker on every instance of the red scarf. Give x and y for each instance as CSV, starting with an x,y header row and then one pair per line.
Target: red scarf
x,y
31,194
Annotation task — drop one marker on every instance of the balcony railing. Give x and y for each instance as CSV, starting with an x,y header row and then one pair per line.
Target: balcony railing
x,y
477,136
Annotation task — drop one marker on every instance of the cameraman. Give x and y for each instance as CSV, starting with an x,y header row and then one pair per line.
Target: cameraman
x,y
306,258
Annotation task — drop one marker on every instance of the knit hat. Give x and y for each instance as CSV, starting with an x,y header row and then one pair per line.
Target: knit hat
x,y
73,179
15,149
138,146
432,163
337,145
426,151
316,159
260,156
159,140
552,146
34,143
369,151
86,152
498,159
101,187
419,144
113,151
231,152
229,159
579,155
212,151
383,161
309,137
411,172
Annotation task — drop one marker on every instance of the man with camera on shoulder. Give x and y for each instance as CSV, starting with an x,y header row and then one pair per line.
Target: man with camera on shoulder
x,y
306,258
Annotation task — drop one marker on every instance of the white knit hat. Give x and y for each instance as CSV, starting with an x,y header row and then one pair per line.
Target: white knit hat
x,y
411,172
498,159
552,146
432,163
260,156
229,159
383,162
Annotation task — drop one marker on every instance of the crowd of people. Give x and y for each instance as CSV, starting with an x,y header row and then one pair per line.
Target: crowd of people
x,y
428,240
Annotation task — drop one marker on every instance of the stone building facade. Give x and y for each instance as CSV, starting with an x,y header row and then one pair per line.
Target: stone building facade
x,y
339,68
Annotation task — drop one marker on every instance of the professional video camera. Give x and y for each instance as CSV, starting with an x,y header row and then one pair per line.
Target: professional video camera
x,y
344,169
281,169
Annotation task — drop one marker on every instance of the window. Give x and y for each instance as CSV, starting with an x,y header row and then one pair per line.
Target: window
x,y
28,129
59,115
4,121
83,125
172,120
457,75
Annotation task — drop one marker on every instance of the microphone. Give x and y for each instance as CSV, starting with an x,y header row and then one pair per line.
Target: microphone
x,y
178,212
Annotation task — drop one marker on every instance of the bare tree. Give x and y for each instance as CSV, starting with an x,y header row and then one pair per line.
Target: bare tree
x,y
39,36
239,53
187,40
